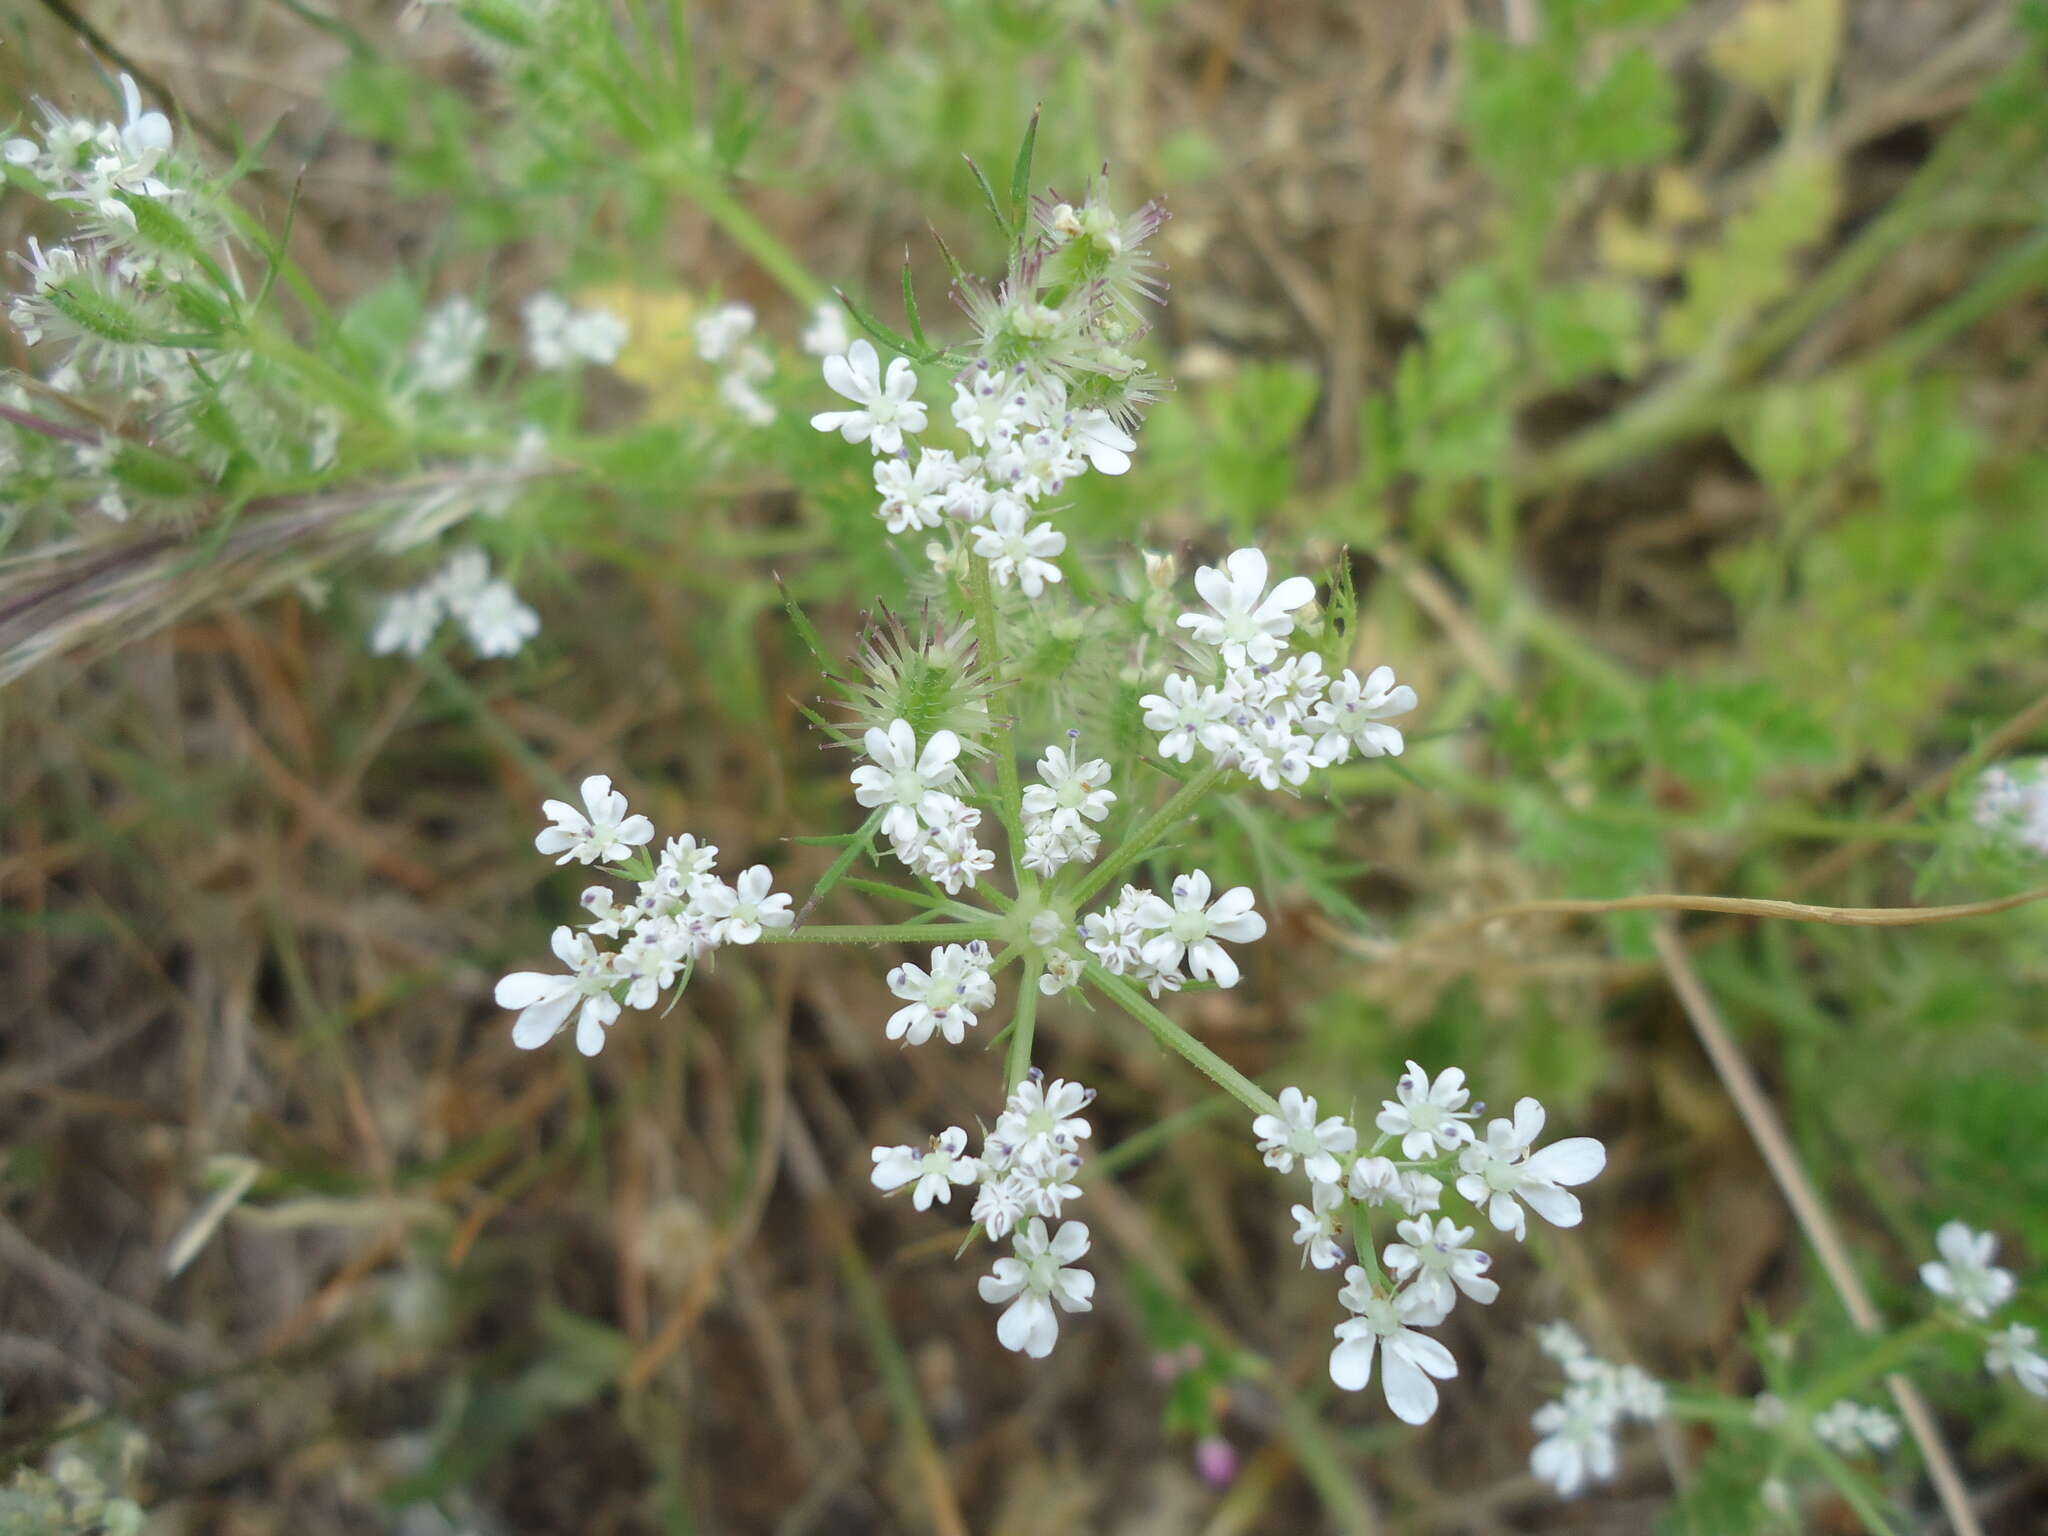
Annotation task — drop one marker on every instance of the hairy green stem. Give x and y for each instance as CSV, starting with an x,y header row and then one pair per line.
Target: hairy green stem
x,y
1024,1024
988,640
749,233
883,933
1181,1043
1139,843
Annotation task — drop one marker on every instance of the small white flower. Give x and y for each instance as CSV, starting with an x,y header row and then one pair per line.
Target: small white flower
x,y
1849,1428
1578,1444
1246,622
1440,1262
989,407
1966,1275
1034,1280
1096,435
449,341
1069,789
1001,1202
1501,1170
719,332
886,409
1428,1117
1353,715
1767,1410
2012,1349
1419,1193
936,1169
1048,1178
948,854
1062,970
607,834
545,1000
1316,1226
744,908
1296,1133
1375,1180
1042,1118
408,622
826,334
946,999
1013,552
498,623
915,497
1192,927
1408,1359
1189,714
1112,936
595,336
902,778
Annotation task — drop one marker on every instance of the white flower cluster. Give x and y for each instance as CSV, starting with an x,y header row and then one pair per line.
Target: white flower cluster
x,y
1149,939
929,828
743,365
1431,1265
451,338
1025,446
98,164
1026,1175
1966,1277
488,609
560,337
2011,802
1273,717
680,912
1578,1443
1850,1429
1061,810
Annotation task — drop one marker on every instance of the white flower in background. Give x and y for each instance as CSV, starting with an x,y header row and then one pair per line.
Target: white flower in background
x,y
606,835
1014,552
497,622
1192,927
947,999
935,1170
1246,622
1296,1133
452,336
1189,713
826,334
1440,1262
743,909
900,776
886,409
1578,1444
1316,1226
408,622
1428,1117
1849,1429
1564,1344
1501,1170
560,337
1042,1118
719,332
545,1000
1039,1275
1069,790
1965,1274
989,407
1408,1359
2011,801
2013,1349
1352,715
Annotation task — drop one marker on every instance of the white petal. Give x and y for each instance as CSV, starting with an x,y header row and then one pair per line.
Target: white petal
x,y
1410,1393
1572,1161
542,1022
1351,1362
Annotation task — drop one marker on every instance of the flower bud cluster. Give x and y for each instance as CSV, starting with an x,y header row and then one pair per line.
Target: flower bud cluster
x,y
1024,1178
1415,1282
1257,708
679,913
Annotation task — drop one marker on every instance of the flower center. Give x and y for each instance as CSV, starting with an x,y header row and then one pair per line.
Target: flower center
x,y
1189,926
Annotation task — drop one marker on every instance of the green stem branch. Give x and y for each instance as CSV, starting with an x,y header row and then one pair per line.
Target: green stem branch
x,y
1181,1043
884,933
1024,1024
1139,843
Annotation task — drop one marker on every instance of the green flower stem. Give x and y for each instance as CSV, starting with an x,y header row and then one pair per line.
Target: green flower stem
x,y
883,933
1024,1024
748,233
1139,843
988,639
1362,1243
1181,1043
1893,1351
1852,1488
